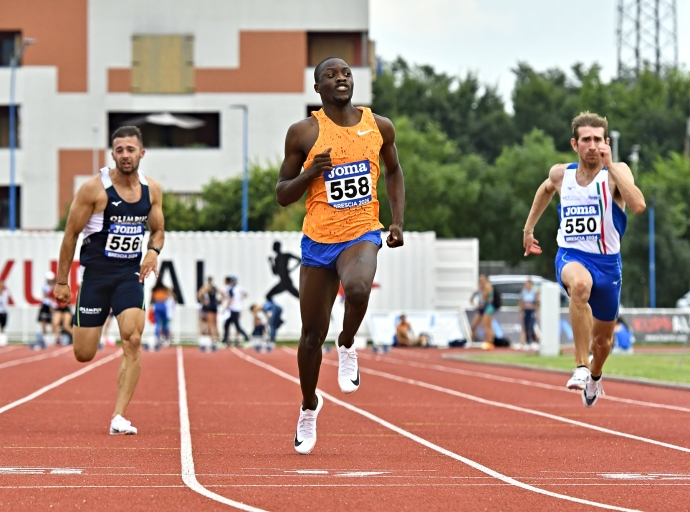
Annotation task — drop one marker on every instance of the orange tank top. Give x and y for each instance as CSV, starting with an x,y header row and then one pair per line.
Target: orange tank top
x,y
342,204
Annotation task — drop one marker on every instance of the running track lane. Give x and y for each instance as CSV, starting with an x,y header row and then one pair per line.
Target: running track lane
x,y
662,473
60,442
242,422
633,391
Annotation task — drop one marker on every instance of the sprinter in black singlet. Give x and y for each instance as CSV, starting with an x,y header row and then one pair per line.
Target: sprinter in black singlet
x,y
112,209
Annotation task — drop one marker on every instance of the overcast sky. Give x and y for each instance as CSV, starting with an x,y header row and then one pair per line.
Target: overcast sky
x,y
489,37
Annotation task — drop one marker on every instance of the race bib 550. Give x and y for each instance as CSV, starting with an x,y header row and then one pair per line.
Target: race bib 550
x,y
580,223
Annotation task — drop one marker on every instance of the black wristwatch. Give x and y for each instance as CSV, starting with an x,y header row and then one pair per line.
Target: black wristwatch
x,y
158,251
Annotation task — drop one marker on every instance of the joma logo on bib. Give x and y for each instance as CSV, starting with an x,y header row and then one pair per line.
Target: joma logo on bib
x,y
571,211
349,185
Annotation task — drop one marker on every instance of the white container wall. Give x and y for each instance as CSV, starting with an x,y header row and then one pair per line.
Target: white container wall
x,y
407,278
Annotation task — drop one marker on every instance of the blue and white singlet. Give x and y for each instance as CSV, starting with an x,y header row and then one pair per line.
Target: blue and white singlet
x,y
590,220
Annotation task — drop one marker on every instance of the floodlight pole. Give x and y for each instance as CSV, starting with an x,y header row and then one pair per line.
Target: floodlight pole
x,y
245,158
13,131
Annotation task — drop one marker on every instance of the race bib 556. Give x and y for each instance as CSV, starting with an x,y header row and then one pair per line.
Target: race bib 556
x,y
124,241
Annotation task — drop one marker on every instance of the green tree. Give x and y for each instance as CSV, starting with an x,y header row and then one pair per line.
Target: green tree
x,y
440,189
471,115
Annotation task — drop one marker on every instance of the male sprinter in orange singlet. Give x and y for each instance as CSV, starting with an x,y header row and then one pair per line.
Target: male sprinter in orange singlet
x,y
339,148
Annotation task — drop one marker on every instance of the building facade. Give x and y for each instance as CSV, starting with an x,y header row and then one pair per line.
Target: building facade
x,y
178,69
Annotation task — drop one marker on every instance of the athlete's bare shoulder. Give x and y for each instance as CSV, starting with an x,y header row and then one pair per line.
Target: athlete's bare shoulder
x,y
91,191
386,128
556,174
155,190
302,134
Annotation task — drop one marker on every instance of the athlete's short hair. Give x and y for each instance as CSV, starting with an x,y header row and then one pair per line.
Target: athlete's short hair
x,y
319,68
127,131
591,119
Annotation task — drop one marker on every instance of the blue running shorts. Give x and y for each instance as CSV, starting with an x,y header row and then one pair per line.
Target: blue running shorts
x,y
607,277
316,254
101,291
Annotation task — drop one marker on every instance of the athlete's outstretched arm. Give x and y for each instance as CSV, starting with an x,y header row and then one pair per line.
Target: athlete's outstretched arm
x,y
157,228
542,198
292,183
395,183
80,211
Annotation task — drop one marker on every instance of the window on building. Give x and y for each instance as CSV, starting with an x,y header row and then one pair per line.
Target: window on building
x,y
312,108
171,130
5,207
162,64
349,46
9,44
5,126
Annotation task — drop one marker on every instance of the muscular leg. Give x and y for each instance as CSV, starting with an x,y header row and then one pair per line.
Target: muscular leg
x,y
578,282
356,267
86,340
602,342
131,323
319,288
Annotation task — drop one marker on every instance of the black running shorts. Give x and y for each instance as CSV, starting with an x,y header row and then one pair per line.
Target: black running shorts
x,y
100,291
45,314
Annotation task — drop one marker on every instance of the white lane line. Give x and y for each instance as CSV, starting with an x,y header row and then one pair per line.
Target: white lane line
x,y
428,444
31,359
60,382
509,380
515,408
186,455
6,349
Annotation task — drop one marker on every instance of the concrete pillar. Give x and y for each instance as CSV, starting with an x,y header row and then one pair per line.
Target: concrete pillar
x,y
550,313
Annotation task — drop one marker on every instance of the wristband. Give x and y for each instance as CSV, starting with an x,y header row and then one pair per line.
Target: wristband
x,y
62,284
158,251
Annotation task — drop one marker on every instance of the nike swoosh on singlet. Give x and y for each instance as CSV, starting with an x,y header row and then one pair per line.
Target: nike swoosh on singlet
x,y
364,132
116,203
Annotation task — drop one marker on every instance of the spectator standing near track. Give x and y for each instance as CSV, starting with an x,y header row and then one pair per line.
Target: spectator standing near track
x,y
112,210
339,147
45,313
594,192
487,291
5,297
528,307
208,296
234,294
159,303
479,306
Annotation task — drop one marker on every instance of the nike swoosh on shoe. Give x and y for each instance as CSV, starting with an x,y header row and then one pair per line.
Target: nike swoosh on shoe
x,y
297,443
356,382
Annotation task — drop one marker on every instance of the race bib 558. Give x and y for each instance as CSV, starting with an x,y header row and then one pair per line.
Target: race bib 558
x,y
348,185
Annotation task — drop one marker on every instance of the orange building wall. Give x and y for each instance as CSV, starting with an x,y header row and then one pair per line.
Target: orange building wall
x,y
60,30
269,62
72,163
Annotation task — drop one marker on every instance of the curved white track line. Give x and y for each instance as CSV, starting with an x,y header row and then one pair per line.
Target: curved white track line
x,y
431,445
60,382
186,455
509,380
31,359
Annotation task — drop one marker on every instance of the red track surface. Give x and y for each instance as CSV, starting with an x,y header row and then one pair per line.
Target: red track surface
x,y
56,451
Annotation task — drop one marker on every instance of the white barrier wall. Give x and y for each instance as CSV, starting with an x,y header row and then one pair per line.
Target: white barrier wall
x,y
406,278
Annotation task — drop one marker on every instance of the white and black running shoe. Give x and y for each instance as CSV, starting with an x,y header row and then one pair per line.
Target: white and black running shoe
x,y
579,379
593,390
120,426
348,369
305,436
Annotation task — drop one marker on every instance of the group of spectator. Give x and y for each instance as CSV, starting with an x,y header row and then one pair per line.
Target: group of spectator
x,y
267,316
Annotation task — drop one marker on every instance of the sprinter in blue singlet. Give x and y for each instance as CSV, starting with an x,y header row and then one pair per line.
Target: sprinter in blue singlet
x,y
112,210
594,192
